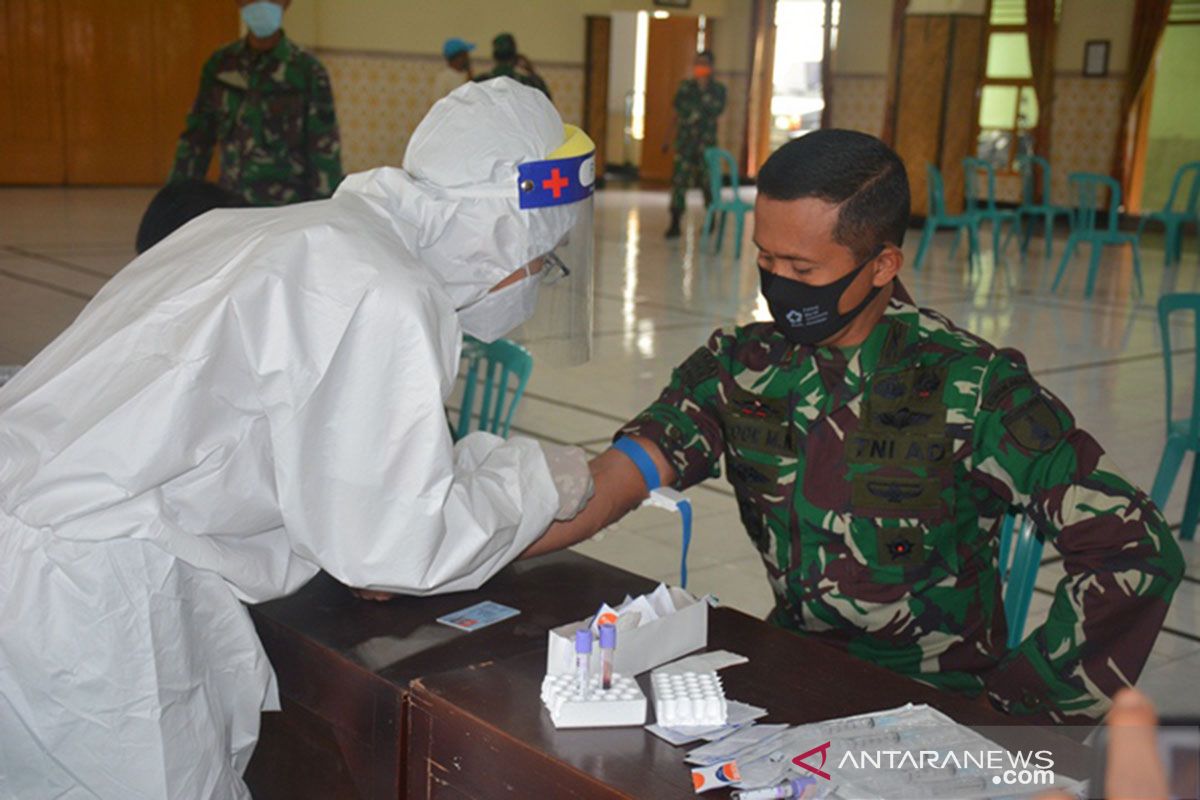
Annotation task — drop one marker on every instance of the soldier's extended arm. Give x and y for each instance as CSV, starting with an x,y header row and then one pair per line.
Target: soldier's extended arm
x,y
1122,564
620,488
195,148
682,436
323,145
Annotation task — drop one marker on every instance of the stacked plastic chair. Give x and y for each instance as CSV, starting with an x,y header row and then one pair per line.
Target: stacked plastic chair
x,y
505,367
1032,208
937,217
1088,190
1183,435
716,161
983,208
1173,218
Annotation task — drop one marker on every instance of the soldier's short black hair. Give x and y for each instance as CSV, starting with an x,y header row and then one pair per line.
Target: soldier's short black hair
x,y
178,203
855,171
707,56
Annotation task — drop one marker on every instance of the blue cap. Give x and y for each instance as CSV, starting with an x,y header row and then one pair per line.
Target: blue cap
x,y
583,641
454,46
608,636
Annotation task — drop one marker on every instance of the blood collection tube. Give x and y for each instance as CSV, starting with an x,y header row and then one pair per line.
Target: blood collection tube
x,y
583,658
608,643
784,791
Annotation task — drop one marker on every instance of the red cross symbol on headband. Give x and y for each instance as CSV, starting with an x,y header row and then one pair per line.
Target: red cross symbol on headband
x,y
556,183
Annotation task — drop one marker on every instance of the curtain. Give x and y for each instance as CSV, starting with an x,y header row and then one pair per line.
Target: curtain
x,y
899,9
1149,19
1039,16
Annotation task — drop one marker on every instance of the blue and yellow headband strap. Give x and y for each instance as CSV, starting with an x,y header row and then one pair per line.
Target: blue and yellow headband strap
x,y
568,175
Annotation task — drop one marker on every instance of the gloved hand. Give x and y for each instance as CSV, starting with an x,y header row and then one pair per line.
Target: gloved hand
x,y
572,478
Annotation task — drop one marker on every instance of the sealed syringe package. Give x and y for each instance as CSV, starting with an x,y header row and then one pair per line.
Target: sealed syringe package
x,y
652,630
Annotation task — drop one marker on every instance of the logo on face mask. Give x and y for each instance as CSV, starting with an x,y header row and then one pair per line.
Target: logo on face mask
x,y
805,317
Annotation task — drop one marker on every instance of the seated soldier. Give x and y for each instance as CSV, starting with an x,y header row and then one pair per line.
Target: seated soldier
x,y
874,448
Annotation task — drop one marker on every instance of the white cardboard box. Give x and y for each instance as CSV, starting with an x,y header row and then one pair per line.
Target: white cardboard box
x,y
643,648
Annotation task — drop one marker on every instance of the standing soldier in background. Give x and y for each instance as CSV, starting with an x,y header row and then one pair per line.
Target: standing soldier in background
x,y
698,103
269,104
511,64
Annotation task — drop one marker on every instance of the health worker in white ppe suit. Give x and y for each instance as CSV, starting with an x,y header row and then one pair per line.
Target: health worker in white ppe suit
x,y
258,397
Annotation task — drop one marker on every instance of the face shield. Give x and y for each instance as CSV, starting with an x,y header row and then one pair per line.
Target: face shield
x,y
560,187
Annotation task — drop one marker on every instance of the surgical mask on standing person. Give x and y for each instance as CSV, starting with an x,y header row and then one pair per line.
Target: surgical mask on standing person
x,y
702,71
263,18
809,314
503,310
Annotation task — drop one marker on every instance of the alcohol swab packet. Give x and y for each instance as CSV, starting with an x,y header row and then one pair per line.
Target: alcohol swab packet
x,y
733,745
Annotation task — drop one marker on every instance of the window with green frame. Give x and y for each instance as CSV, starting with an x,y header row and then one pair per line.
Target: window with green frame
x,y
1008,106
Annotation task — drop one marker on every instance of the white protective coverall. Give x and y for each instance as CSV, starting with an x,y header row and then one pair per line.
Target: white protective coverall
x,y
258,397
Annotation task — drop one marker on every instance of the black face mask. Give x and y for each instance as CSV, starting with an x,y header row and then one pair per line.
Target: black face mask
x,y
809,314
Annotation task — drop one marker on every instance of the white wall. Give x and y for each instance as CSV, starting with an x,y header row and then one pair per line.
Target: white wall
x,y
1083,20
547,30
864,36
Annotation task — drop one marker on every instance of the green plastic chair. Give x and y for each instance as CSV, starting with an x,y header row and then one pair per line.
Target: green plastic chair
x,y
1035,208
1173,220
1020,557
938,218
1086,190
1182,434
984,208
715,161
503,363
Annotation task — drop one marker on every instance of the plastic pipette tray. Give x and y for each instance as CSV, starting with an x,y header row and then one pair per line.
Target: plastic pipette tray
x,y
689,699
623,704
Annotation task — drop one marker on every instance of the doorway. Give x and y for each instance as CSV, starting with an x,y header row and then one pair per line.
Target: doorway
x,y
1168,133
801,68
650,54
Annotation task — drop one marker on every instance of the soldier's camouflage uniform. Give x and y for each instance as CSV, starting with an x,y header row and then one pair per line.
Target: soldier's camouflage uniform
x,y
273,115
510,71
873,486
696,112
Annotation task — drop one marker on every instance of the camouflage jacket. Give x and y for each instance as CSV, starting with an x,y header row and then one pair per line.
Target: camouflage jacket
x,y
510,71
273,116
873,485
696,112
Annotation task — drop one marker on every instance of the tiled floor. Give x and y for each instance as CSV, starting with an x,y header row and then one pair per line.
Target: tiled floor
x,y
656,301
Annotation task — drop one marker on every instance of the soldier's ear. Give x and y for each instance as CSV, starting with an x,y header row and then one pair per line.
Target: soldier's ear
x,y
887,265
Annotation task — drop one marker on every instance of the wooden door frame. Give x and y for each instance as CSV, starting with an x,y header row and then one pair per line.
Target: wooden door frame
x,y
760,87
1133,182
595,88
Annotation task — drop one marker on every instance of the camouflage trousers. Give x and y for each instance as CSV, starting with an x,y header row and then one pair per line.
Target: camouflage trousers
x,y
690,172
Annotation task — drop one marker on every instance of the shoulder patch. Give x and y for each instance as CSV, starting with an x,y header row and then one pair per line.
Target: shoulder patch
x,y
996,394
1035,425
700,366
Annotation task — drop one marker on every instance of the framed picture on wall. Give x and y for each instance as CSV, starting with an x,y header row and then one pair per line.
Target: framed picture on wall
x,y
1095,58
673,3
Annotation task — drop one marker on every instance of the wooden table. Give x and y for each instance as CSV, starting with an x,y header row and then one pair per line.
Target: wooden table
x,y
344,666
481,732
